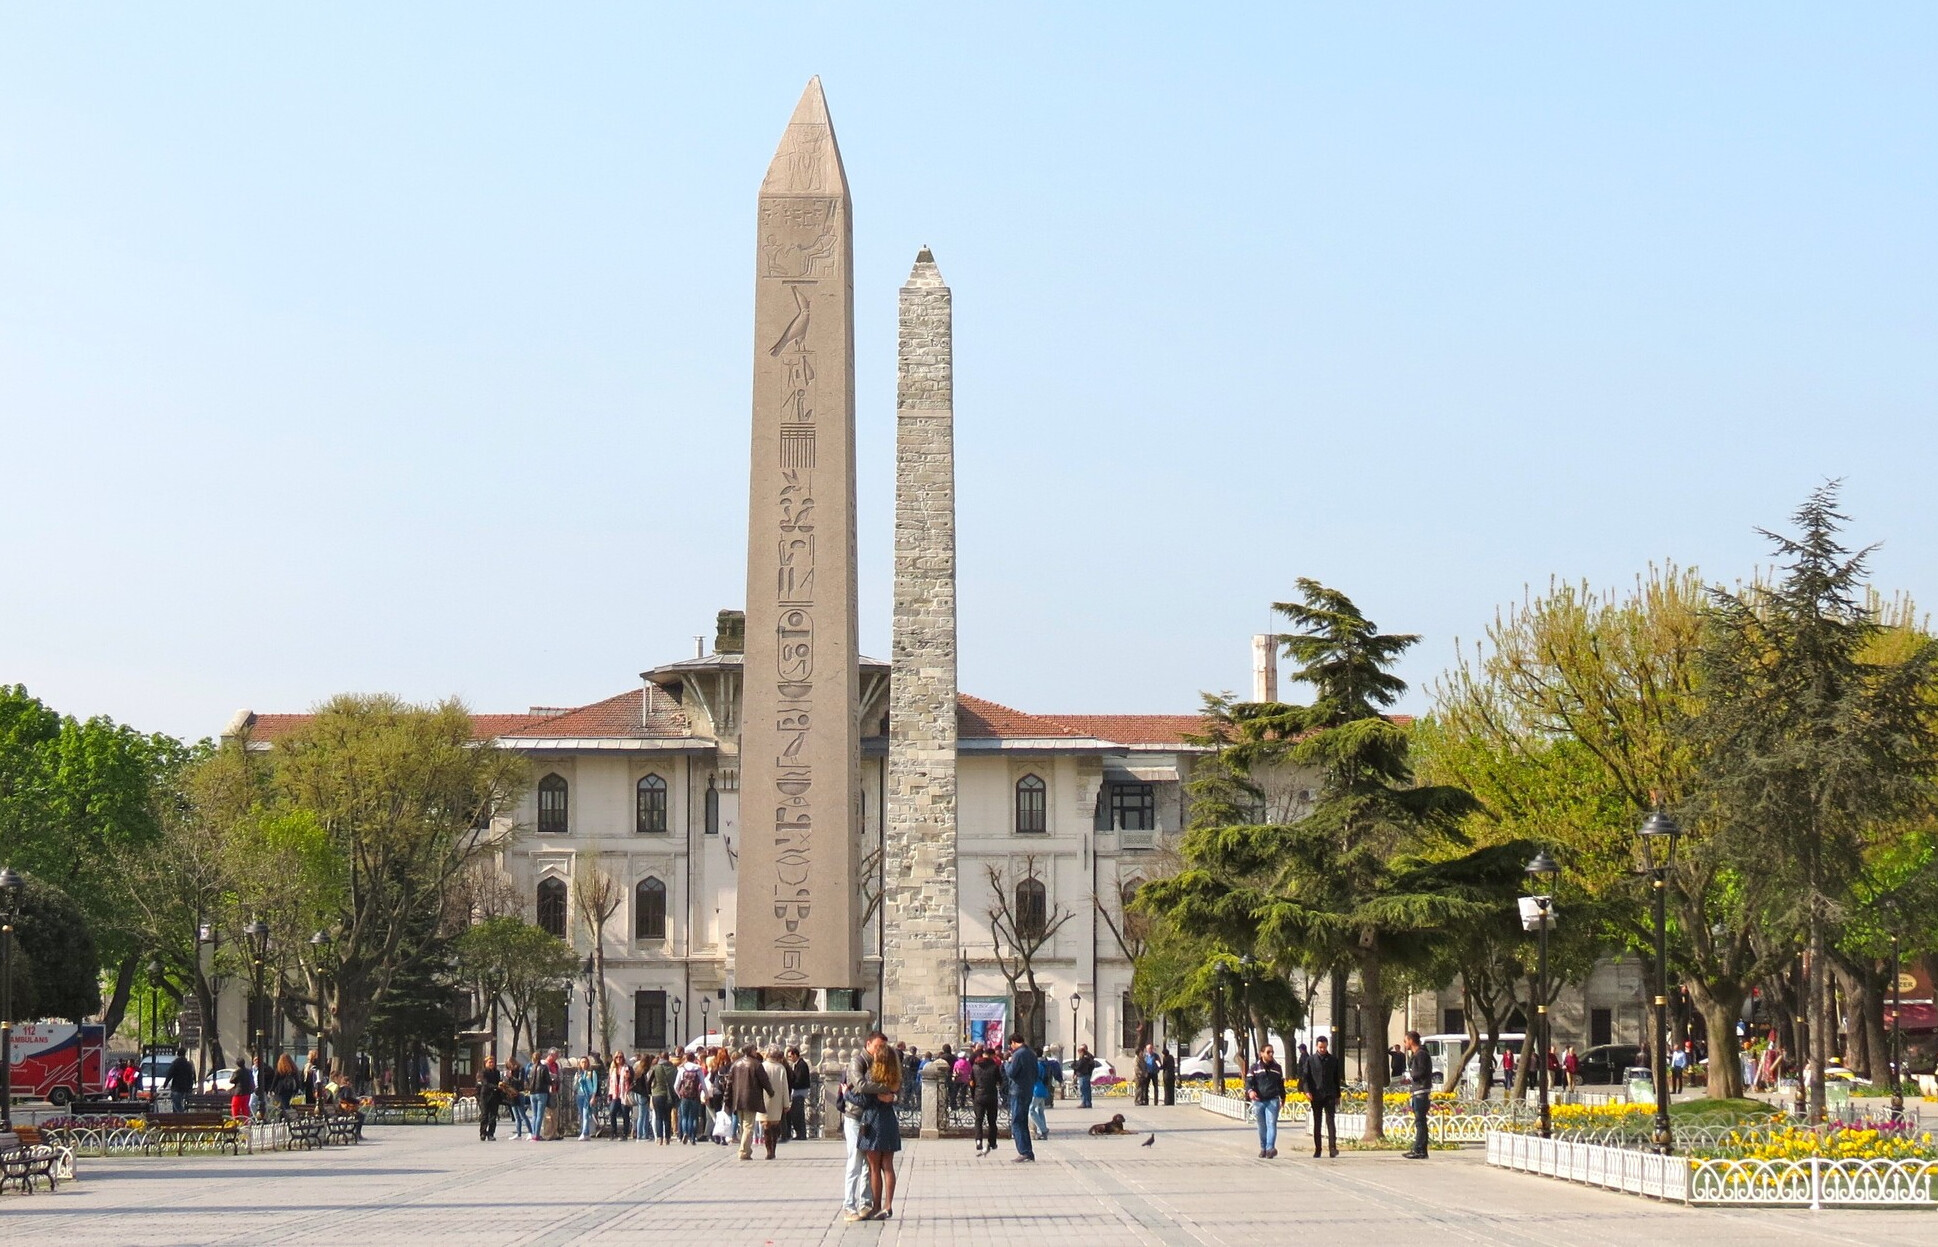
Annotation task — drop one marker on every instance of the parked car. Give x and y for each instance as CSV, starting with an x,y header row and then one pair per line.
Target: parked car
x,y
1605,1063
1198,1063
220,1080
1448,1047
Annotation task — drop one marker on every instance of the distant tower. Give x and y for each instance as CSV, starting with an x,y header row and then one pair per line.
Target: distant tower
x,y
920,1000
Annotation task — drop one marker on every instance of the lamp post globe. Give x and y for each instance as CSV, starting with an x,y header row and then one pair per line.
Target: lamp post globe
x,y
11,886
1542,872
1658,835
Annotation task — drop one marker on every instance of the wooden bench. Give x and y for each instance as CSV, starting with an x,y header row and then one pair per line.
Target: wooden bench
x,y
23,1157
306,1130
182,1129
406,1109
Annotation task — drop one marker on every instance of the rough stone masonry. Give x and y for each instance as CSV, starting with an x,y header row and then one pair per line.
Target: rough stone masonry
x,y
920,999
800,789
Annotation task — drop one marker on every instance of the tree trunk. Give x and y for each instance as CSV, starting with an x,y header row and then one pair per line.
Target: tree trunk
x,y
1720,1005
1867,988
1372,992
117,1009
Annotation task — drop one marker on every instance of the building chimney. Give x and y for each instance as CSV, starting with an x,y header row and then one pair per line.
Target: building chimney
x,y
1265,667
730,632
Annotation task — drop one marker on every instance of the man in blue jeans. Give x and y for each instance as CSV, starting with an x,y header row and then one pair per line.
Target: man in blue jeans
x,y
1265,1088
1021,1071
1084,1066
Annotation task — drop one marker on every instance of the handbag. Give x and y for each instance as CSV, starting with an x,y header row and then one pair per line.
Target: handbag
x,y
723,1124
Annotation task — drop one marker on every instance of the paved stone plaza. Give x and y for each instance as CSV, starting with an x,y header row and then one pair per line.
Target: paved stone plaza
x,y
1201,1183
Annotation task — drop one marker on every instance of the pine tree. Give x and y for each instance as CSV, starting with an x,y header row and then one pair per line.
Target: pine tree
x,y
1377,871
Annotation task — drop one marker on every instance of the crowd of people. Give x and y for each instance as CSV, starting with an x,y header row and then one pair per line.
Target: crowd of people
x,y
701,1096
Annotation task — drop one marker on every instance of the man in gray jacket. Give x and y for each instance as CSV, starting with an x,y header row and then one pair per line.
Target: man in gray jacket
x,y
857,1083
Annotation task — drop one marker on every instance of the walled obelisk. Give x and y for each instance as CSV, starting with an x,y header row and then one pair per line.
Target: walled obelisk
x,y
800,793
921,1002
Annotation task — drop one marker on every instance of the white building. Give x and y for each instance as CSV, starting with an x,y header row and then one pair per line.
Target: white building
x,y
644,785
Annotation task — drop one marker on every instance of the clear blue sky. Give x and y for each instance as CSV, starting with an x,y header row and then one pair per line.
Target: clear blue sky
x,y
406,347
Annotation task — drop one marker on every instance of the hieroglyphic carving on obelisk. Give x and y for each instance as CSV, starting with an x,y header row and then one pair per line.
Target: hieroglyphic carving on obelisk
x,y
800,788
920,999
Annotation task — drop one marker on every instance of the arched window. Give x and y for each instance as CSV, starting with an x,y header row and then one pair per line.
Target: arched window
x,y
649,910
712,809
551,805
1032,909
551,906
649,817
1127,892
1032,807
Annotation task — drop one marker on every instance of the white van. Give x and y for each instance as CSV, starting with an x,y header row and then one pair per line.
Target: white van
x,y
1446,1048
1198,1063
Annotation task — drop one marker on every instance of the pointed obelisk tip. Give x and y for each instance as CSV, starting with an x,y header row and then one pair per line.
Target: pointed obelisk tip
x,y
925,256
808,160
924,274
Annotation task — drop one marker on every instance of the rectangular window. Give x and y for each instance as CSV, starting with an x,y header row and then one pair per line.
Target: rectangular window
x,y
1456,1022
553,1019
1601,1027
1133,1036
649,1021
1133,807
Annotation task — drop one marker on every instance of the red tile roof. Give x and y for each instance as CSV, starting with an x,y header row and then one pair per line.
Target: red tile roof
x,y
619,717
985,720
614,717
1137,729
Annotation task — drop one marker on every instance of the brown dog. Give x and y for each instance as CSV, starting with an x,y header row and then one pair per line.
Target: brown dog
x,y
1114,1126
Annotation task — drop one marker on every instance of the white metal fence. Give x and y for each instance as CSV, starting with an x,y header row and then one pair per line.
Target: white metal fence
x,y
1810,1183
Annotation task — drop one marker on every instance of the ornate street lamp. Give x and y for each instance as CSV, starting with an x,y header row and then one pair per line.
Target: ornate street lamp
x,y
319,941
1075,1000
706,1007
207,933
147,1079
962,1002
589,969
1897,1035
11,886
679,1036
1245,1016
1542,872
1659,834
258,936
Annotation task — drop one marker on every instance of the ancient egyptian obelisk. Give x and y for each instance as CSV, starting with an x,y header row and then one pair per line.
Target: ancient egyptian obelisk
x,y
920,1002
800,789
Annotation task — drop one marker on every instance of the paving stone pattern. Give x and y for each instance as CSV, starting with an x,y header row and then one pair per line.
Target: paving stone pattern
x,y
1200,1184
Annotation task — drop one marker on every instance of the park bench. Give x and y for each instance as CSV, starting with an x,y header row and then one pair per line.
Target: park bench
x,y
404,1109
23,1157
306,1130
182,1129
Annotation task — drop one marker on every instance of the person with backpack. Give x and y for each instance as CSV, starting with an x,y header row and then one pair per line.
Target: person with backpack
x,y
985,1097
691,1089
1084,1066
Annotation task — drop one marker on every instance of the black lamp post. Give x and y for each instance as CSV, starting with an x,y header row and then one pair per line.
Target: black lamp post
x,y
10,888
1897,1035
1542,871
1659,835
208,934
589,970
679,1036
1075,1000
1245,1016
147,1079
1218,999
706,1007
962,1002
319,941
258,935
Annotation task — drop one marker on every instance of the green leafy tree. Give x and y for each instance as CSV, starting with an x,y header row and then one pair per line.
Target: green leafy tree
x,y
1377,871
1808,746
510,965
57,970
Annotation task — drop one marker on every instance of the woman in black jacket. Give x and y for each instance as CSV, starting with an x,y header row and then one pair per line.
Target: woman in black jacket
x,y
488,1100
986,1091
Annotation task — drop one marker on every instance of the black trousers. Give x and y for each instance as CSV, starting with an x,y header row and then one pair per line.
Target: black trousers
x,y
986,1116
488,1116
1422,1101
1323,1119
797,1116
